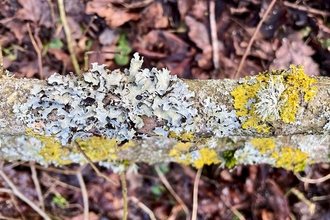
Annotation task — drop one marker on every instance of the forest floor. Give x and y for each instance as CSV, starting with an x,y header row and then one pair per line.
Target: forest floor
x,y
181,35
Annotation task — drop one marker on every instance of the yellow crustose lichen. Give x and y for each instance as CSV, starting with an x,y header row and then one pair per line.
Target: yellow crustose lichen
x,y
264,144
272,95
52,152
198,158
290,159
96,148
285,157
99,148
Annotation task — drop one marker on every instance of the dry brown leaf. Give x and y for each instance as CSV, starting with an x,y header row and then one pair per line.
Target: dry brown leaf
x,y
199,9
295,51
108,36
30,69
114,17
36,11
184,6
91,216
153,17
18,28
198,34
261,49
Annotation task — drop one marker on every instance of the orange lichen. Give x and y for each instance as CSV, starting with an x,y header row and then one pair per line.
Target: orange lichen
x,y
284,89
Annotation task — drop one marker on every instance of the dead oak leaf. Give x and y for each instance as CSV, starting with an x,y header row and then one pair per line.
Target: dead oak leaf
x,y
36,11
18,28
153,16
113,16
198,34
294,51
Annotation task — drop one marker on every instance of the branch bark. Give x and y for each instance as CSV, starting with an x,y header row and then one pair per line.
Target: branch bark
x,y
291,145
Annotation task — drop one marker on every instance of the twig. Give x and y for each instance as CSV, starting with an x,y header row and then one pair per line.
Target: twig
x,y
20,195
1,60
13,199
89,25
37,49
313,181
143,207
195,194
84,194
124,192
51,7
37,185
51,169
9,191
214,36
301,196
94,167
68,37
252,38
7,218
306,8
170,189
236,213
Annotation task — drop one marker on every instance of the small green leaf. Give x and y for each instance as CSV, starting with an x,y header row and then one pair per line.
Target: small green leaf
x,y
60,201
229,158
124,48
88,45
123,58
164,168
157,190
56,44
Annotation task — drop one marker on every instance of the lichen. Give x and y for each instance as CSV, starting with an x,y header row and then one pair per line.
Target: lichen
x,y
99,148
52,152
264,150
264,144
290,159
183,154
182,137
272,95
250,155
206,156
109,104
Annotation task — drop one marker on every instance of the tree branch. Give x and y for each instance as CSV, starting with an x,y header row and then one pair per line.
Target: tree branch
x,y
277,117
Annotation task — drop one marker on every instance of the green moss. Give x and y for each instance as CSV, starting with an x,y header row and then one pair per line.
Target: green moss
x,y
297,85
230,160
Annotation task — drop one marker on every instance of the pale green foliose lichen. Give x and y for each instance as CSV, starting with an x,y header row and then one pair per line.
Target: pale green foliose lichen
x,y
113,104
107,104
